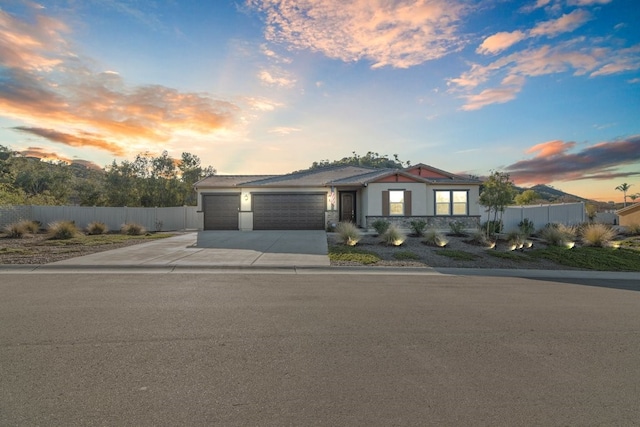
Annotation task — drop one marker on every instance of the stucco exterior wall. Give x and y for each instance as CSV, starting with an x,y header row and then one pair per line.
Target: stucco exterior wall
x,y
373,206
631,217
473,191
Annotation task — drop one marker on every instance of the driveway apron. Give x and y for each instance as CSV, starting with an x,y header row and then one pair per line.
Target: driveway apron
x,y
219,249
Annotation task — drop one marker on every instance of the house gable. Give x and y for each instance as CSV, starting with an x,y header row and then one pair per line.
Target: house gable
x,y
425,171
396,177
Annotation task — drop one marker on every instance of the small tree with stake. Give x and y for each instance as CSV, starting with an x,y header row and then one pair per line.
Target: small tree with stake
x,y
497,193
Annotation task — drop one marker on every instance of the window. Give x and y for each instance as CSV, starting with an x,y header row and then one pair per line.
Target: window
x,y
396,202
450,202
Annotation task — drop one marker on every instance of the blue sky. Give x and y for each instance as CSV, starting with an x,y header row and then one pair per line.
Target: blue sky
x,y
547,90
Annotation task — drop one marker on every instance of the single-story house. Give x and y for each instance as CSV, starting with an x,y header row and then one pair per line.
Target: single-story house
x,y
629,215
317,198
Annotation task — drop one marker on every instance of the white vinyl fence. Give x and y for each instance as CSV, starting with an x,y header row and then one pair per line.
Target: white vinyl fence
x,y
541,215
153,219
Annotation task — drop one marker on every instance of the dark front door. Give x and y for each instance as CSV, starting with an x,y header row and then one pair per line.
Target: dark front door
x,y
348,207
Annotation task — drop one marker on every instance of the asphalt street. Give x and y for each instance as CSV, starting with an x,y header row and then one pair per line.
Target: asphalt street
x,y
316,349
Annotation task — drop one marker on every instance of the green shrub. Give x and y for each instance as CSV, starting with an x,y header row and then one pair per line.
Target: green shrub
x,y
393,236
96,228
526,227
418,226
62,230
492,227
380,225
457,228
558,234
435,238
596,234
348,233
133,229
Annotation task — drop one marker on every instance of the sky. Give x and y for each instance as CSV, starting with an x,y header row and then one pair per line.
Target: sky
x,y
545,90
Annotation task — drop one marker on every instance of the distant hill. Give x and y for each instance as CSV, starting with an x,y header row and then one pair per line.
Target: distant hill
x,y
553,195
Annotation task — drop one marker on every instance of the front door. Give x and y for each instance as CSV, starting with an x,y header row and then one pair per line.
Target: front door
x,y
348,207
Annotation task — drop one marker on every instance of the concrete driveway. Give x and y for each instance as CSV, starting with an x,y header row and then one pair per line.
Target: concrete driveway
x,y
219,248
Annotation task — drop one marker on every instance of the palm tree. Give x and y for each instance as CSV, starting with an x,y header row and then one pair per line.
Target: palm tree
x,y
624,188
633,197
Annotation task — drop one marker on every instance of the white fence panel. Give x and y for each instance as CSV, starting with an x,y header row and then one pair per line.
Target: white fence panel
x,y
541,215
153,219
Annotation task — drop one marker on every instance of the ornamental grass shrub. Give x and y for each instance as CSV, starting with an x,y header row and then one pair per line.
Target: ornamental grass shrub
x,y
479,237
558,234
96,227
393,236
596,234
133,229
349,233
19,229
632,229
435,238
62,230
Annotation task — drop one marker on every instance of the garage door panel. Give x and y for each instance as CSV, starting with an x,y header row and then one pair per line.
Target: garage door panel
x,y
221,211
288,211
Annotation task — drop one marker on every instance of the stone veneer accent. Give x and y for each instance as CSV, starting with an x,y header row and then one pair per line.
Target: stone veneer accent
x,y
433,222
332,218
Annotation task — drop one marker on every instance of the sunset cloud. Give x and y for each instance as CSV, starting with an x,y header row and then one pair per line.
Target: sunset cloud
x,y
396,34
84,140
61,98
554,161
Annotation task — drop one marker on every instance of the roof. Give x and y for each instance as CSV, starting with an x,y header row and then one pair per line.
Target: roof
x,y
629,209
339,176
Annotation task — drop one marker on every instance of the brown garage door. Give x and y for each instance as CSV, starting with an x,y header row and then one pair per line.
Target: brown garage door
x,y
221,211
288,211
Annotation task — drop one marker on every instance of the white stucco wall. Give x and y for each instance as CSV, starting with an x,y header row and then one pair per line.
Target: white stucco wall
x,y
422,197
474,195
372,197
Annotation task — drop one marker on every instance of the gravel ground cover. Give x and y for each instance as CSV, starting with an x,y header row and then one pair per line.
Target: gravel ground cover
x,y
430,256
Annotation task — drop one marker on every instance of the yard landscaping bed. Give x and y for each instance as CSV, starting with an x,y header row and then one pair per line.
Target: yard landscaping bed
x,y
41,249
459,253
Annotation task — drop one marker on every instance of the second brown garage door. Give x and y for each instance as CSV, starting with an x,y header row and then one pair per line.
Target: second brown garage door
x,y
288,211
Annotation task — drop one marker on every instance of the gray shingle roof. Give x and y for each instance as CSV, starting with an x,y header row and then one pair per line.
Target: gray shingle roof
x,y
330,176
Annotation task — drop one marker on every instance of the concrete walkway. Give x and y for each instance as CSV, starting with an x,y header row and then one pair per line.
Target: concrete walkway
x,y
218,249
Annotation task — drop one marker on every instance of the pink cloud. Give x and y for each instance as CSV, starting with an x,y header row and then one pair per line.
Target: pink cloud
x,y
500,41
550,148
399,35
555,162
566,23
